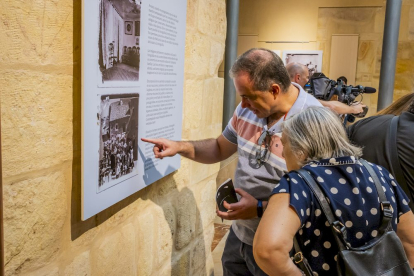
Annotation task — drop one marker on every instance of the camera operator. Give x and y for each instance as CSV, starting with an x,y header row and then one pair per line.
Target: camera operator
x,y
299,74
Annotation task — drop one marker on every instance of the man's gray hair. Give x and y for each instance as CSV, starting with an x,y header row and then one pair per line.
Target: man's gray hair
x,y
264,68
294,68
317,133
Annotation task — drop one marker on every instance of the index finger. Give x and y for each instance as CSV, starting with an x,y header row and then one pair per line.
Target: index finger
x,y
153,141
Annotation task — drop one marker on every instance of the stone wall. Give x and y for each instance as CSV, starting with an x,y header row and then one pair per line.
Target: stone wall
x,y
164,229
368,22
314,22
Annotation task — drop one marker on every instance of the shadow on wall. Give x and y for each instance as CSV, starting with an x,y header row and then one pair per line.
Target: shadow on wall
x,y
183,234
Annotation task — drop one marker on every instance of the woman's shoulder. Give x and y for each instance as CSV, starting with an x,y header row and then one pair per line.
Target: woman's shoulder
x,y
292,183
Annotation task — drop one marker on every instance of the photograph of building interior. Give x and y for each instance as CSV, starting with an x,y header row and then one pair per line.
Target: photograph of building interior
x,y
119,34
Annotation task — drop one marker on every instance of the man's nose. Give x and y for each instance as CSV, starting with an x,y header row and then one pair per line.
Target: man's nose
x,y
244,103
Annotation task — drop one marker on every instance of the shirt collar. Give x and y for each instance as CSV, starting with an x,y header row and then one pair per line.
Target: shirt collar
x,y
345,160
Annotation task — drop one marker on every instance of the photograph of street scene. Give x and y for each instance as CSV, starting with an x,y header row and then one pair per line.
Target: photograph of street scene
x,y
118,147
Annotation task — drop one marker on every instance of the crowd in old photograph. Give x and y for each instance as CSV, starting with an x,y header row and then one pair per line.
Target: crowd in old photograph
x,y
118,158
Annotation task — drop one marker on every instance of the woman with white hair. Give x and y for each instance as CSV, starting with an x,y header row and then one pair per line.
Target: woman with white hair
x,y
316,141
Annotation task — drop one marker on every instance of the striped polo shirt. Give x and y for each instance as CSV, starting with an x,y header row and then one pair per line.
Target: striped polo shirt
x,y
244,129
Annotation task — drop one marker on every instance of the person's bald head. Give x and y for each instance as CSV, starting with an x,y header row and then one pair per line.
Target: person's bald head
x,y
298,73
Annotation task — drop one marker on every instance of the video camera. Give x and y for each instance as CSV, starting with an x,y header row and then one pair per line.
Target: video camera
x,y
324,88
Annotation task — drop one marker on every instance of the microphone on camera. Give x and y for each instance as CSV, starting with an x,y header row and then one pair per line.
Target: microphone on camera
x,y
362,89
369,90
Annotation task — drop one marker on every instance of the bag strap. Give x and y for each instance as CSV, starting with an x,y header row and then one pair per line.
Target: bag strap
x,y
320,196
300,260
395,165
393,152
340,231
338,228
386,208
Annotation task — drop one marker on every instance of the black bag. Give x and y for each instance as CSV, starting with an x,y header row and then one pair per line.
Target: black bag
x,y
383,256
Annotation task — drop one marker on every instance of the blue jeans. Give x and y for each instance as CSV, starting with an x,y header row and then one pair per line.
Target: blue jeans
x,y
237,259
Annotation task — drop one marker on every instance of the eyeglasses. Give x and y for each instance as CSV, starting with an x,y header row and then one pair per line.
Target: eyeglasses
x,y
262,153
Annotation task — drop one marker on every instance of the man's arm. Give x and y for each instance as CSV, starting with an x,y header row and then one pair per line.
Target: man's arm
x,y
206,151
342,108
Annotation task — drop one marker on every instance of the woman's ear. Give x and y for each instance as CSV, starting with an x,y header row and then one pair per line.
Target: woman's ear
x,y
301,156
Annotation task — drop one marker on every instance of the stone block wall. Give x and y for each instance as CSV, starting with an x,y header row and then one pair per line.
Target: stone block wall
x,y
368,22
309,25
164,229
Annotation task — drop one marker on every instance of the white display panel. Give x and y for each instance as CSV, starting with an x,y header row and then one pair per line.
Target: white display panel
x,y
132,87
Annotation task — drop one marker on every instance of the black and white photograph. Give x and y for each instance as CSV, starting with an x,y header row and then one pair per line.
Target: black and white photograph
x,y
311,59
118,145
128,27
119,53
116,45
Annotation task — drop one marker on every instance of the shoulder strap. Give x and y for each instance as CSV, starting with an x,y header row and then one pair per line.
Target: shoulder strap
x,y
320,196
386,208
300,260
338,229
395,164
393,151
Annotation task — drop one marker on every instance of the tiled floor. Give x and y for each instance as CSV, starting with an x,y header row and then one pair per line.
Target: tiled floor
x,y
221,231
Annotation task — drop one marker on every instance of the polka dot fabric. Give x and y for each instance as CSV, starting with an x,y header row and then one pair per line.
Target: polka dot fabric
x,y
353,198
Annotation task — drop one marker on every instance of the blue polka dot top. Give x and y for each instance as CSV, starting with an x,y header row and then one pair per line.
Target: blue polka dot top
x,y
353,198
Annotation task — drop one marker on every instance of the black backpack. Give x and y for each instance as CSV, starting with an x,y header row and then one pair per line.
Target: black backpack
x,y
372,259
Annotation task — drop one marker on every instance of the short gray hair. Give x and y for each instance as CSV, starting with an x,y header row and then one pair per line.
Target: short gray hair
x,y
264,68
318,134
294,68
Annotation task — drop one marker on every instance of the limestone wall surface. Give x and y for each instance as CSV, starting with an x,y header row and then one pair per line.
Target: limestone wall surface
x,y
164,229
314,23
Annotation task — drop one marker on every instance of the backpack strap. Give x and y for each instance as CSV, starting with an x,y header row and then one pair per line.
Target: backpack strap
x,y
338,228
386,208
300,260
320,196
395,165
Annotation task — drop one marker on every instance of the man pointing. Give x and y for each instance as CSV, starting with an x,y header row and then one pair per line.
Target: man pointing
x,y
254,131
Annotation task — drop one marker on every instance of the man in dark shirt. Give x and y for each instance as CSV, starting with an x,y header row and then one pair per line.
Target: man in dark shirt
x,y
373,134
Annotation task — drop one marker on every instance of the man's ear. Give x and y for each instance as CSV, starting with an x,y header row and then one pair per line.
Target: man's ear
x,y
275,90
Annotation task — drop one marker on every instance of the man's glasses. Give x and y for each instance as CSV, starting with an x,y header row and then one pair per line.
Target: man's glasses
x,y
262,153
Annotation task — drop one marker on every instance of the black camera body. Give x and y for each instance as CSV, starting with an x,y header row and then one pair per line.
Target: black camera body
x,y
324,88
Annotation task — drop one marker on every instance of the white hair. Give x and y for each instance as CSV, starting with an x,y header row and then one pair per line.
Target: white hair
x,y
317,133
